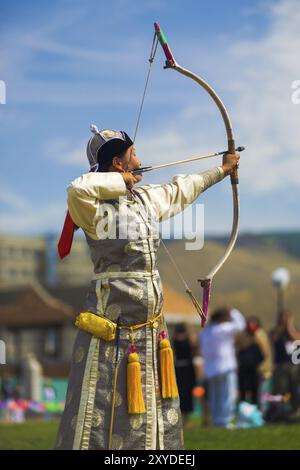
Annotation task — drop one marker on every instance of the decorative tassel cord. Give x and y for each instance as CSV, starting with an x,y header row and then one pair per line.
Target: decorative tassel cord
x,y
141,325
135,399
113,401
168,378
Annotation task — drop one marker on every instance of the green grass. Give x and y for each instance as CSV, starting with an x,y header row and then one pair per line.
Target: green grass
x,y
41,436
269,437
32,435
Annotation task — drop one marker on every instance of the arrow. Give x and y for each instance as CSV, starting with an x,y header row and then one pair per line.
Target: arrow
x,y
144,169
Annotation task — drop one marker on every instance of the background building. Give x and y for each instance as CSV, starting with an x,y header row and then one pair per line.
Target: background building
x,y
24,260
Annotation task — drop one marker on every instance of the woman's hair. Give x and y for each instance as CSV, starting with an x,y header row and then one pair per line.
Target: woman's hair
x,y
103,165
115,147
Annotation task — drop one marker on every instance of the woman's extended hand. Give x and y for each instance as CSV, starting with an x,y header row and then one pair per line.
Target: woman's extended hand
x,y
230,162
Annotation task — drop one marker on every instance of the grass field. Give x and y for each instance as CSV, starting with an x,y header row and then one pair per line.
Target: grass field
x,y
41,436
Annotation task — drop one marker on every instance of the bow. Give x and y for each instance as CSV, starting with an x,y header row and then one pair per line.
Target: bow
x,y
171,63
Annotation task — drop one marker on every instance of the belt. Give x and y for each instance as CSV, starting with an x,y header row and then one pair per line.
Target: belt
x,y
104,328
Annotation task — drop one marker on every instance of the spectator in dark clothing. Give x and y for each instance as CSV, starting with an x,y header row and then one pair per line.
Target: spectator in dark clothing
x,y
254,361
7,388
286,375
185,372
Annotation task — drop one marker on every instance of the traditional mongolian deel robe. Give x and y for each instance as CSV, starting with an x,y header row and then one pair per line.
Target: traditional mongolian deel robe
x,y
126,288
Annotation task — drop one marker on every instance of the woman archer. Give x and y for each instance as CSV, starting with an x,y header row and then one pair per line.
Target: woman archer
x,y
122,391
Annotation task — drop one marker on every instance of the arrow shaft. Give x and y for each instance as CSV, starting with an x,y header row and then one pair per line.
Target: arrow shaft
x,y
180,162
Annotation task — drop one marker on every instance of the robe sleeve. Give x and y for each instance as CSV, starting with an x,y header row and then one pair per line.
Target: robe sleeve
x,y
167,200
85,193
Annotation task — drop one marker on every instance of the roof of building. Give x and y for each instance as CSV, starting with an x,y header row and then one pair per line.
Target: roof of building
x,y
32,305
178,307
70,295
57,369
36,305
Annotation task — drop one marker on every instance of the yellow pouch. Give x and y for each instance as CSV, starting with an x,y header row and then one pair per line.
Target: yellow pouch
x,y
100,327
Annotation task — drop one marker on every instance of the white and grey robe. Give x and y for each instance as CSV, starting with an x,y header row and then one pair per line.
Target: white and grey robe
x,y
126,288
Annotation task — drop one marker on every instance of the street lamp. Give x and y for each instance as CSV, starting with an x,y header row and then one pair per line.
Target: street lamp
x,y
280,280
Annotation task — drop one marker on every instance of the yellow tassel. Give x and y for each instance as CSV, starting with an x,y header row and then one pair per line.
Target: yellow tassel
x,y
135,398
168,380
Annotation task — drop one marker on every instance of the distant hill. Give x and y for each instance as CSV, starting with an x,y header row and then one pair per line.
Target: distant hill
x,y
288,242
245,279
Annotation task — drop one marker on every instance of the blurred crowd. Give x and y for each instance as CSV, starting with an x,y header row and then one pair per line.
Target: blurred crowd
x,y
241,374
234,372
14,408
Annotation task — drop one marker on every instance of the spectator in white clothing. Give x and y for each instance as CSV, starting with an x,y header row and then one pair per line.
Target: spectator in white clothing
x,y
220,365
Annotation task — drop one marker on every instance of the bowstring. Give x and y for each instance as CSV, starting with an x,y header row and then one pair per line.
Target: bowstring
x,y
151,59
187,288
179,273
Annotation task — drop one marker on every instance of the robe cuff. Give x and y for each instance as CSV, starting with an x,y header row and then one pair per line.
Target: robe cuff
x,y
212,177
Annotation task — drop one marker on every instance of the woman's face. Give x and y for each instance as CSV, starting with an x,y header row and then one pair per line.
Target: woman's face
x,y
130,160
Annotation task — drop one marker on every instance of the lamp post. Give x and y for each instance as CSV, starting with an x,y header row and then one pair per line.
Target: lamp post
x,y
280,280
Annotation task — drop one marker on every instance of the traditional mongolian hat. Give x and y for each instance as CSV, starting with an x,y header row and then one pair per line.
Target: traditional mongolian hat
x,y
104,145
101,148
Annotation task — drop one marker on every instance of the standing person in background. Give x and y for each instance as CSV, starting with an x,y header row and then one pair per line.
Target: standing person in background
x,y
286,374
254,361
7,387
220,365
184,367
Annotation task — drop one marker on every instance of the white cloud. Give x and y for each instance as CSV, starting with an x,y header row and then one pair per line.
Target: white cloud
x,y
19,215
64,152
256,78
12,200
267,121
88,66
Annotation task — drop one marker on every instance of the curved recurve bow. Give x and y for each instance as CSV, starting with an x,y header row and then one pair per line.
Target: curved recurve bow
x,y
172,64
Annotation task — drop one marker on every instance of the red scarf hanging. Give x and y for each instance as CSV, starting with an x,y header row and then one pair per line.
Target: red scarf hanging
x,y
65,242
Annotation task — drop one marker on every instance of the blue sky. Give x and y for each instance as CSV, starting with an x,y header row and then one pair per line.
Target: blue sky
x,y
67,64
